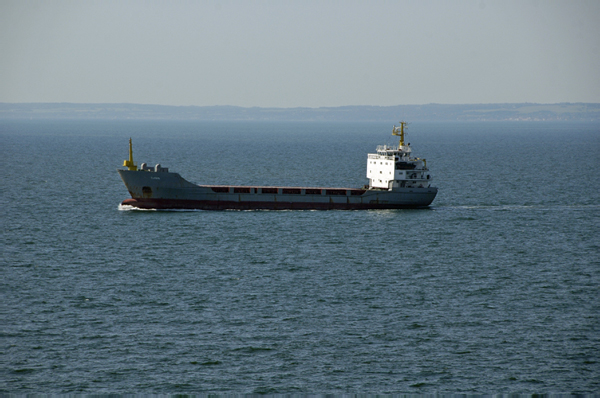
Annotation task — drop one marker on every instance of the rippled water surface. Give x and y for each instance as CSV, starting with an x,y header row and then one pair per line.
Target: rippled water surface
x,y
494,289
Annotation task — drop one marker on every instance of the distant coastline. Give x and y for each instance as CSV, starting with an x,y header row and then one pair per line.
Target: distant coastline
x,y
584,112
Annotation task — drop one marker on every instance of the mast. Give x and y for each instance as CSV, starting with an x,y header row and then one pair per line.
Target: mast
x,y
400,129
129,163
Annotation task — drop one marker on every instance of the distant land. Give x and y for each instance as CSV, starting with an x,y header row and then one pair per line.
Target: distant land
x,y
589,112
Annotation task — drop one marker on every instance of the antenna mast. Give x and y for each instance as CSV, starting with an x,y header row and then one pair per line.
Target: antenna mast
x,y
129,163
400,131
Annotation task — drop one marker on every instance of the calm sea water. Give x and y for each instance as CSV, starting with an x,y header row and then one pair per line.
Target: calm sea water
x,y
494,289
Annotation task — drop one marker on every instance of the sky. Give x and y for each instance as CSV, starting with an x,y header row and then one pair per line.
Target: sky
x,y
306,53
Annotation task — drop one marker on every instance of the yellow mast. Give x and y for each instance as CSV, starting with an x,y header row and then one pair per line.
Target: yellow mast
x,y
129,163
401,130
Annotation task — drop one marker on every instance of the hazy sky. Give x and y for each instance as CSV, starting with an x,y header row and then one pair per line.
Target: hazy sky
x,y
289,53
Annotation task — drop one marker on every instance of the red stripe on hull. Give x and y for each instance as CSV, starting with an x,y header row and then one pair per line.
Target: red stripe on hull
x,y
170,204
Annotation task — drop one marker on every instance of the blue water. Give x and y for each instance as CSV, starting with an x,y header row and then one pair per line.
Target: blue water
x,y
494,289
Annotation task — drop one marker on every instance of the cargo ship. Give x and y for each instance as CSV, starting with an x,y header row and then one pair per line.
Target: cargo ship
x,y
397,180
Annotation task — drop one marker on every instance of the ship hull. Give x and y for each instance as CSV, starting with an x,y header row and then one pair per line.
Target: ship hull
x,y
166,191
178,204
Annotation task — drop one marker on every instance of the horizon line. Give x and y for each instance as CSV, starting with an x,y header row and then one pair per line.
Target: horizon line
x,y
295,107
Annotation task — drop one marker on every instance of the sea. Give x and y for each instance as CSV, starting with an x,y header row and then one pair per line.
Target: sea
x,y
494,289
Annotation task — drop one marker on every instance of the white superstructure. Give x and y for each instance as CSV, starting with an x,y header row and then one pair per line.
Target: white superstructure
x,y
393,167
